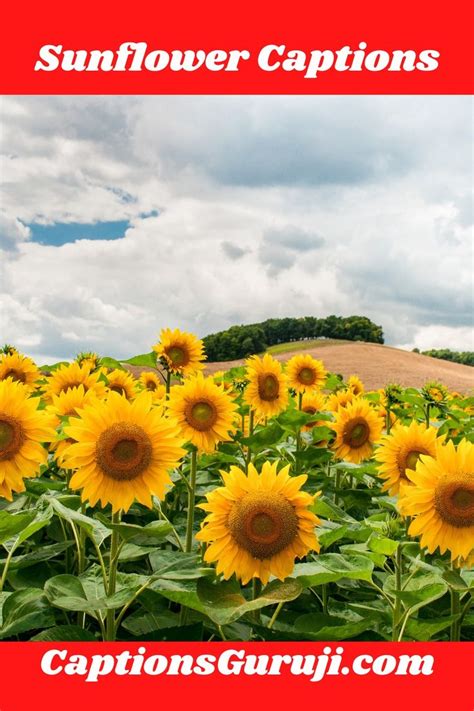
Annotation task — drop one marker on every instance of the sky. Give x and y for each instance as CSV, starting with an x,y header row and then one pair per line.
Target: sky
x,y
120,216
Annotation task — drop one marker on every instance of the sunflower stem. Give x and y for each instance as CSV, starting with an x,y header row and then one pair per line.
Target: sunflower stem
x,y
427,414
324,591
81,562
275,615
455,632
337,486
398,588
388,421
191,501
249,451
298,435
5,567
163,516
256,590
113,562
168,382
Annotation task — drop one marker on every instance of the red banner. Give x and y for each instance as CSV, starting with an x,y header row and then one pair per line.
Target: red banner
x,y
218,675
244,48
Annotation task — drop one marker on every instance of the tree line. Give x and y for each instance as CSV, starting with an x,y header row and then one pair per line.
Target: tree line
x,y
245,340
463,357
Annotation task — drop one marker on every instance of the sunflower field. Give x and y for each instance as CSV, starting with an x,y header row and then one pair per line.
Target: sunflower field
x,y
146,500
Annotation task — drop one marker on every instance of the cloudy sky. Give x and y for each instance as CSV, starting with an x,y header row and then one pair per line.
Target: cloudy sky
x,y
122,215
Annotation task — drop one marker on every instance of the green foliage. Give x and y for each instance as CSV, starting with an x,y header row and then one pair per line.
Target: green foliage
x,y
463,357
242,341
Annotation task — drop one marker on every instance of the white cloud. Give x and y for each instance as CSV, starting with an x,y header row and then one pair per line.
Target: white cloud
x,y
457,339
269,206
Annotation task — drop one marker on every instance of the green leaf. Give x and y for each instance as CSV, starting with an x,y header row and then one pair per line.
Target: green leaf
x,y
378,544
86,593
223,602
42,518
38,555
314,455
41,486
130,552
264,437
62,507
148,535
378,558
11,524
25,610
142,622
174,565
321,433
146,359
455,580
327,509
293,420
423,630
329,534
109,362
418,591
64,633
325,627
331,567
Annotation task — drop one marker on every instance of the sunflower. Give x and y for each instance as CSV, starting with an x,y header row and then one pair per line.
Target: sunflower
x,y
67,403
22,430
258,523
266,392
181,352
401,449
123,451
19,368
435,392
71,376
89,358
305,373
355,384
341,398
121,382
203,411
150,381
467,562
357,429
219,379
311,404
441,501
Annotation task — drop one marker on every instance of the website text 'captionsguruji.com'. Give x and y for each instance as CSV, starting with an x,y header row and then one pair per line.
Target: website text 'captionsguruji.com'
x,y
233,662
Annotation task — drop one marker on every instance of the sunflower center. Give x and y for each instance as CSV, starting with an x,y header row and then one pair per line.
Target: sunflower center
x,y
178,356
118,389
356,433
306,376
268,387
263,523
124,451
151,385
17,375
454,501
11,437
410,461
201,415
310,410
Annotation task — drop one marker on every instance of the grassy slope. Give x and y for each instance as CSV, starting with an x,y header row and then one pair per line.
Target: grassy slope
x,y
293,346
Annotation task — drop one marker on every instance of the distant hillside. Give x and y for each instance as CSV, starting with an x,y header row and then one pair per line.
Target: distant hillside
x,y
463,357
242,341
375,364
